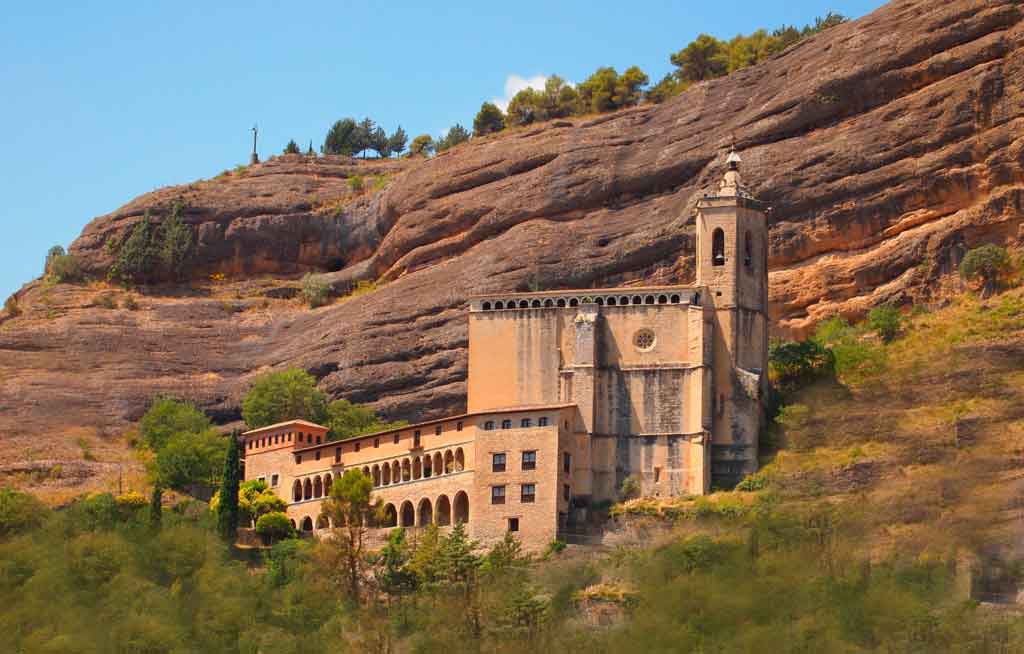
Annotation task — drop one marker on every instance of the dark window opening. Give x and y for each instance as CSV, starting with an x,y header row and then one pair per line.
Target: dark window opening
x,y
355,447
566,493
337,455
525,422
566,462
718,247
416,438
497,494
529,460
506,424
437,430
498,462
298,458
513,524
458,426
489,425
396,438
542,422
748,255
529,493
317,440
317,455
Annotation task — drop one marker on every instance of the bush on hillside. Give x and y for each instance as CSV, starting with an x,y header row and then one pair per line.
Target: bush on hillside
x,y
457,134
347,419
855,357
316,291
886,321
292,148
274,526
285,395
19,512
488,120
988,264
154,251
422,146
795,362
189,459
167,417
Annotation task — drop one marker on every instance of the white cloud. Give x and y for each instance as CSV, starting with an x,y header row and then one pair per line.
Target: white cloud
x,y
514,84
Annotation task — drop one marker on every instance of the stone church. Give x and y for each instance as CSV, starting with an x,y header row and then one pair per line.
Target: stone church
x,y
569,394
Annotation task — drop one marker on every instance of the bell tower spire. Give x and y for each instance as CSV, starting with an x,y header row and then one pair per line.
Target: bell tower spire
x,y
732,268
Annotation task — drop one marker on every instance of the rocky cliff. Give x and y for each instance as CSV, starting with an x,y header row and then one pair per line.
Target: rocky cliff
x,y
887,147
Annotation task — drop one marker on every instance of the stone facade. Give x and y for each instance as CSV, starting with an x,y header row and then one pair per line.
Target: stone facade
x,y
570,393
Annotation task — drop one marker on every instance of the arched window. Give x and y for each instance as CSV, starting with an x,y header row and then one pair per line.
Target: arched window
x,y
662,299
444,511
675,299
449,462
489,425
718,247
428,466
486,306
390,516
748,252
506,424
376,475
574,302
523,304
407,515
535,304
460,460
461,507
327,484
406,470
308,490
548,303
438,467
649,299
297,491
637,299
386,474
611,302
307,524
600,301
396,472
561,302
499,305
318,487
426,513
417,468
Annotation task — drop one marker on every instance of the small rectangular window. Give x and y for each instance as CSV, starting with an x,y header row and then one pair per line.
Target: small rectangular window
x,y
566,462
273,480
529,492
317,455
498,462
458,426
355,447
337,455
566,493
542,422
300,437
497,494
416,438
298,458
513,524
437,430
529,460
263,479
396,438
317,440
525,422
376,442
489,425
289,437
506,424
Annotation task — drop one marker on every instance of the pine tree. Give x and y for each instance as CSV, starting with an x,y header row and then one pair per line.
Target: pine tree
x,y
398,140
156,509
292,147
227,508
311,152
488,120
341,138
176,243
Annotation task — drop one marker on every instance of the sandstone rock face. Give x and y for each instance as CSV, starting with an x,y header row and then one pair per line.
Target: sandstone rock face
x,y
887,147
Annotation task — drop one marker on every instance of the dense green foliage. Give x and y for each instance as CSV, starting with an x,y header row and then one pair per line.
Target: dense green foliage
x,y
292,148
61,267
457,134
886,321
989,264
488,120
793,362
346,419
285,395
167,417
154,252
316,290
19,512
227,508
422,146
274,526
188,449
347,137
255,499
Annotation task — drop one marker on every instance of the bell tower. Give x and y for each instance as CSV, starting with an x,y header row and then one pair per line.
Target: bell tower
x,y
732,268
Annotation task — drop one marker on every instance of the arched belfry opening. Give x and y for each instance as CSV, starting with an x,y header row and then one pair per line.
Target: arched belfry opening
x,y
718,247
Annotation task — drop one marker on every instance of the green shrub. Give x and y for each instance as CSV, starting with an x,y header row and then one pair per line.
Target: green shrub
x,y
630,488
292,148
989,264
191,458
19,512
355,184
167,417
855,357
64,269
554,547
274,526
755,482
886,321
284,395
315,290
794,362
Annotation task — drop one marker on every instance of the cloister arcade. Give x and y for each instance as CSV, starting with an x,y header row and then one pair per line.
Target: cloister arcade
x,y
442,511
561,301
312,487
415,468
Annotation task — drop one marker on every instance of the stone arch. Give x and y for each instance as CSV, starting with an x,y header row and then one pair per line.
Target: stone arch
x,y
424,513
443,511
718,247
662,299
674,299
486,306
297,491
560,302
428,466
461,507
535,304
322,522
449,462
385,474
396,472
308,489
600,301
376,475
406,470
574,302
328,482
294,527
637,299
499,305
611,301
548,303
438,464
417,468
460,460
318,487
407,516
649,299
307,524
366,471
523,304
390,518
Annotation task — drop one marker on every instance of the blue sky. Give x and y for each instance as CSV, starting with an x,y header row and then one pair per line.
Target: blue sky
x,y
105,101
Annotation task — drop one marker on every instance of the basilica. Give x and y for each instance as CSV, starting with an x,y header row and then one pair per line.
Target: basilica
x,y
570,393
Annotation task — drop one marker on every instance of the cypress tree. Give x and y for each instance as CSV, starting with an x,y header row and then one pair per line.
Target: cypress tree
x,y
156,509
227,509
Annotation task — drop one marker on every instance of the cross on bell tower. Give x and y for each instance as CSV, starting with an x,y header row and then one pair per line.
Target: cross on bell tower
x,y
255,158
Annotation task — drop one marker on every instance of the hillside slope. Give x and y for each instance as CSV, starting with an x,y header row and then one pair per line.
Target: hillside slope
x,y
887,147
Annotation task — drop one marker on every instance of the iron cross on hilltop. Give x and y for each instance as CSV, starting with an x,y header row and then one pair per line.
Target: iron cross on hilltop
x,y
255,158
